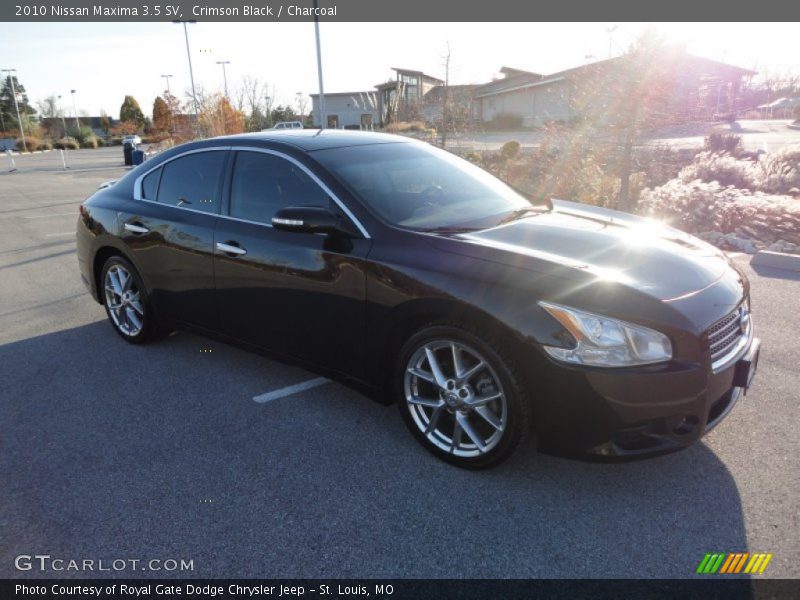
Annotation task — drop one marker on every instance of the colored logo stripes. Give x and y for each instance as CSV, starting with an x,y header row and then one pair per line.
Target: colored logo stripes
x,y
734,562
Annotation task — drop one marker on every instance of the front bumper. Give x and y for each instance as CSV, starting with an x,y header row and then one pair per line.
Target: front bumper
x,y
642,412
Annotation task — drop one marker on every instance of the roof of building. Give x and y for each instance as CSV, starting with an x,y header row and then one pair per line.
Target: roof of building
x,y
517,79
372,92
415,72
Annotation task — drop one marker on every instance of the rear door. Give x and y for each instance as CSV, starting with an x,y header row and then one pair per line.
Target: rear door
x,y
169,230
300,294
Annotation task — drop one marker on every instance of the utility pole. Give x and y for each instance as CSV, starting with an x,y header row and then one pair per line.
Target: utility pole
x,y
75,112
444,95
225,76
63,120
191,75
16,105
167,78
322,113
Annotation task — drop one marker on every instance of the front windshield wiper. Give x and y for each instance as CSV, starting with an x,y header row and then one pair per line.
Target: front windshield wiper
x,y
523,212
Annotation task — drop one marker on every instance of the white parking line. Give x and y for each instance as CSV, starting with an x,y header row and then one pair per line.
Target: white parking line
x,y
291,389
59,234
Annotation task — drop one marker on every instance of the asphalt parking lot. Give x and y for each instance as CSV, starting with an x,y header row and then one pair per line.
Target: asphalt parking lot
x,y
112,451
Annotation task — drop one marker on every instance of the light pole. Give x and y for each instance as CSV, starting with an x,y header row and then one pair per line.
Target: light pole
x,y
167,78
191,75
16,105
75,113
63,120
322,113
224,75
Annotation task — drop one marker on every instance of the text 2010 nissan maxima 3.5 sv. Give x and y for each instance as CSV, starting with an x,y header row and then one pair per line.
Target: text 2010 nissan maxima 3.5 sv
x,y
422,279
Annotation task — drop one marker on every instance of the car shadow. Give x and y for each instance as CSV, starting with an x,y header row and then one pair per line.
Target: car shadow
x,y
110,450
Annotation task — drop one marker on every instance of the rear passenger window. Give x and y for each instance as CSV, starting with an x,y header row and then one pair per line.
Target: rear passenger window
x,y
192,181
263,183
150,185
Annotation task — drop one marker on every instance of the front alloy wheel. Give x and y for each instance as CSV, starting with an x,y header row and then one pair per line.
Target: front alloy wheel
x,y
460,398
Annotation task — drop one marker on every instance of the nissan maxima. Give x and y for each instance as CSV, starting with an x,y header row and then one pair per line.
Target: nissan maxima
x,y
424,281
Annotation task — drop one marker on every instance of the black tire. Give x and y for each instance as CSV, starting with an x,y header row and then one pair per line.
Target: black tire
x,y
515,407
148,327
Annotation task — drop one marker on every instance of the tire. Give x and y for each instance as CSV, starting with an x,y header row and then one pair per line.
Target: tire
x,y
480,416
122,286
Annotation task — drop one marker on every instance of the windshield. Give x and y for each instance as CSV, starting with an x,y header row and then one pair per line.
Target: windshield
x,y
421,187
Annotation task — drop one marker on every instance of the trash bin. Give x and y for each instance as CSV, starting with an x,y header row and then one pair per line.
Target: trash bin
x,y
138,157
127,152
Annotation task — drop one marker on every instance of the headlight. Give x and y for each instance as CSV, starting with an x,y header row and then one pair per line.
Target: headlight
x,y
606,342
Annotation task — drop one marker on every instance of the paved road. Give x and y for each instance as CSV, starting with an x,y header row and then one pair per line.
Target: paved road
x,y
113,451
756,135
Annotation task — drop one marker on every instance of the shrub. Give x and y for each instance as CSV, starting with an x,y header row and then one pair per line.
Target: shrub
x,y
90,142
403,126
719,141
45,145
66,143
779,172
474,157
698,207
100,141
30,144
722,168
510,149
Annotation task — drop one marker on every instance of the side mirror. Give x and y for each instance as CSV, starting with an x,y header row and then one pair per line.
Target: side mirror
x,y
309,219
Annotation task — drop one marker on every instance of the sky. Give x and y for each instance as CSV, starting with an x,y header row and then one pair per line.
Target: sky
x,y
105,61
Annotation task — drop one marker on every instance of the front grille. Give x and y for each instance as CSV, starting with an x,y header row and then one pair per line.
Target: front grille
x,y
726,333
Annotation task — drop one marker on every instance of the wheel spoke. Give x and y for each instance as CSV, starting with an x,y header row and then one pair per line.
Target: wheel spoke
x,y
435,368
423,375
133,319
115,307
434,420
483,400
429,402
487,415
137,305
469,374
124,279
458,363
463,421
113,277
457,434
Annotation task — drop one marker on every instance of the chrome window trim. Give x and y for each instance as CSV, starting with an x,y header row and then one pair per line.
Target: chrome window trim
x,y
313,176
137,185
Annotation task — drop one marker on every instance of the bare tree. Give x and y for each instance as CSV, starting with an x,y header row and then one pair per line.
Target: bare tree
x,y
445,93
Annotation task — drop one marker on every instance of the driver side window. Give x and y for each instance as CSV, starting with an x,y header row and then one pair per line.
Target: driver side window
x,y
264,183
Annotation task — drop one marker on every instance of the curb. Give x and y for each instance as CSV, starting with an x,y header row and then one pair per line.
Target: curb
x,y
793,126
776,260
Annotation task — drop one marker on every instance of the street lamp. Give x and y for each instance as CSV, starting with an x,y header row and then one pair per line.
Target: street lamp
x,y
322,113
63,120
16,105
75,112
167,78
191,73
224,75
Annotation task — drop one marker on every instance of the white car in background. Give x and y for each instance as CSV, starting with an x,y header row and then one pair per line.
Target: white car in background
x,y
287,125
131,139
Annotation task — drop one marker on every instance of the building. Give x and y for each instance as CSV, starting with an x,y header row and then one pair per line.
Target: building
x,y
686,87
400,98
348,110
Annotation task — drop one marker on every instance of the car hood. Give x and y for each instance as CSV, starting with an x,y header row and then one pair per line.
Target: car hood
x,y
640,253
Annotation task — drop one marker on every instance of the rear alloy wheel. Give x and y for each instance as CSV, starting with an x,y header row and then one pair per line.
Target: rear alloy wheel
x,y
125,300
460,398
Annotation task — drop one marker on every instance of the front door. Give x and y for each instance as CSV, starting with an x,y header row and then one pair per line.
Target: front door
x,y
299,294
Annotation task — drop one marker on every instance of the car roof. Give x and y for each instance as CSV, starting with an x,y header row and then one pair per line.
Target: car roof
x,y
319,139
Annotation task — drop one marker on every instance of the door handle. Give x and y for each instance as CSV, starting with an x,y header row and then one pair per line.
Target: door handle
x,y
134,228
229,248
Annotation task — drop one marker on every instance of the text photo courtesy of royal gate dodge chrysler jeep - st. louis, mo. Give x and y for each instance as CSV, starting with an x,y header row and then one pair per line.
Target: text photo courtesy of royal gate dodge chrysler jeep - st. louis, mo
x,y
340,299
